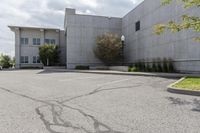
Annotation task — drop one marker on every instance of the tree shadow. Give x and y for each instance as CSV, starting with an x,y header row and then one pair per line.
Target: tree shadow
x,y
178,101
197,103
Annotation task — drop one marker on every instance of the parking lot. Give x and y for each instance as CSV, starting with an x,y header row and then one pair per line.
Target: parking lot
x,y
35,101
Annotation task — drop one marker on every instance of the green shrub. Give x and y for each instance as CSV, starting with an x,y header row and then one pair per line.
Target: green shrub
x,y
132,69
142,66
49,54
159,66
171,67
80,67
154,66
148,67
165,65
137,65
5,61
129,68
109,48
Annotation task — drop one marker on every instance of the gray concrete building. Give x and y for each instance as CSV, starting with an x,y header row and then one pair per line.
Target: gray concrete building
x,y
82,31
77,41
144,44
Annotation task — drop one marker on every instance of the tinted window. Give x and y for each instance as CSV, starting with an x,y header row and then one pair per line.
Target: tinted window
x,y
24,41
47,41
34,59
36,41
53,41
50,41
137,26
38,59
24,59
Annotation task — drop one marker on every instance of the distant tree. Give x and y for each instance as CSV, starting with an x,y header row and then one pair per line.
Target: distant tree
x,y
188,22
5,61
108,48
49,54
13,61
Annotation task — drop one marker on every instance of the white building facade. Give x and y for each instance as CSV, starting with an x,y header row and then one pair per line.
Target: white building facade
x,y
78,40
28,40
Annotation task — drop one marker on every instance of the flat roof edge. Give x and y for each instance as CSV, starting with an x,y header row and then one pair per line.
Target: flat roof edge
x,y
98,16
33,27
140,4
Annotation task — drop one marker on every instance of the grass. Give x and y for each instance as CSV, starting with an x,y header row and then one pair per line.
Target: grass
x,y
189,84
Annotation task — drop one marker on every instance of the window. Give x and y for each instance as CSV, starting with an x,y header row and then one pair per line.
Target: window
x,y
36,59
36,41
24,41
137,26
53,41
50,41
47,41
24,59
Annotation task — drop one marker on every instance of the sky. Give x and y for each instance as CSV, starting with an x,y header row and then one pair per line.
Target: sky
x,y
50,13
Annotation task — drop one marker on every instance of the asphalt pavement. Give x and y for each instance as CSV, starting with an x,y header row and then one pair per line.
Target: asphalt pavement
x,y
37,101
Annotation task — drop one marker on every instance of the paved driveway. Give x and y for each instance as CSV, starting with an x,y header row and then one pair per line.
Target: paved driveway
x,y
33,101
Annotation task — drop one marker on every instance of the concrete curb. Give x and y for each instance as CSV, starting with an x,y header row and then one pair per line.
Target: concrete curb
x,y
164,75
134,74
172,89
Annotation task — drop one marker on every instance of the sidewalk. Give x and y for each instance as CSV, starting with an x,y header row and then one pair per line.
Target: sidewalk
x,y
166,75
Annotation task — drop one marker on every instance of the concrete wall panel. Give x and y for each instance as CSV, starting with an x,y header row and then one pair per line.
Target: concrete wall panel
x,y
144,44
82,31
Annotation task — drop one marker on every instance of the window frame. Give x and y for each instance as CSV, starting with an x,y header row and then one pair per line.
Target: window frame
x,y
24,60
53,41
36,41
24,41
36,60
47,41
50,41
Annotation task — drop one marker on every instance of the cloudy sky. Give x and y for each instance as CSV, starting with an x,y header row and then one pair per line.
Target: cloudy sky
x,y
50,13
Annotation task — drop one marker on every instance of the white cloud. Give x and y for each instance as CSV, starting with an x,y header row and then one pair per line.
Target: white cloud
x,y
90,3
50,13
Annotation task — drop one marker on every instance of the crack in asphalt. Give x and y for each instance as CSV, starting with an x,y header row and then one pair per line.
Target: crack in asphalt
x,y
97,124
24,96
56,115
97,91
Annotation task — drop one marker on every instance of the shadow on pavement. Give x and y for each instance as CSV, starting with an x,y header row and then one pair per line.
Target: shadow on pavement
x,y
178,101
51,71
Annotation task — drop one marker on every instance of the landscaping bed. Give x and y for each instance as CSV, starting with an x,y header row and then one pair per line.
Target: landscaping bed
x,y
189,83
187,86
